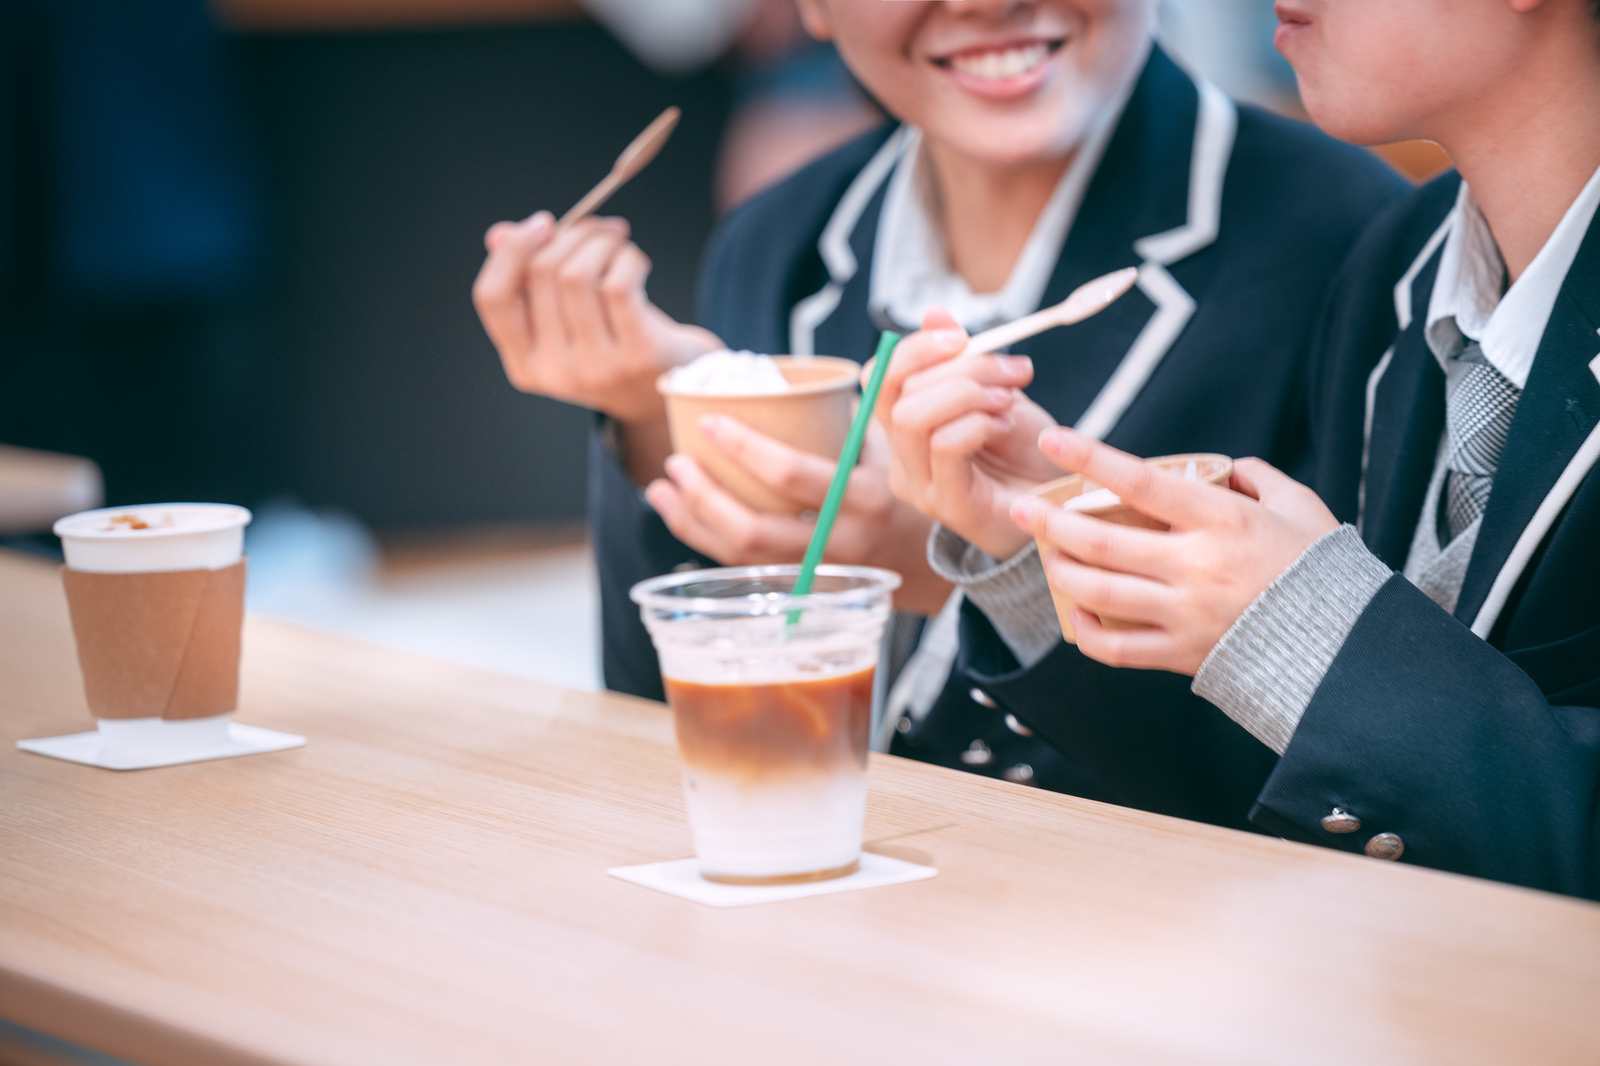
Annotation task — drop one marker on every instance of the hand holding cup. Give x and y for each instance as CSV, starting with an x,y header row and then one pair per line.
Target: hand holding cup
x,y
1184,586
873,528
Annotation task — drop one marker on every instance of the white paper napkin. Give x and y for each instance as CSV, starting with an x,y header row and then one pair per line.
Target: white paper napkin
x,y
681,877
90,749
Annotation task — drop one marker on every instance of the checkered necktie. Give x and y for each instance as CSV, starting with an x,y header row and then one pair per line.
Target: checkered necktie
x,y
1479,404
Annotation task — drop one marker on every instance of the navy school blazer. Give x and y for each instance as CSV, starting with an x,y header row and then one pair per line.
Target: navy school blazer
x,y
1237,220
1473,737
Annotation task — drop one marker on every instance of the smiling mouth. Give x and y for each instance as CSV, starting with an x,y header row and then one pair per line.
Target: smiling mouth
x,y
1001,64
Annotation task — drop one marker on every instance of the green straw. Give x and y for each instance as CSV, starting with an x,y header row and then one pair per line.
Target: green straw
x,y
841,473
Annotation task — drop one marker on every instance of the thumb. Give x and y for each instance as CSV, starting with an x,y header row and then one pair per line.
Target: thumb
x,y
1259,480
939,318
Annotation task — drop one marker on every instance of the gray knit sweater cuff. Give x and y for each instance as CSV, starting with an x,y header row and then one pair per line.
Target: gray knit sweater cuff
x,y
1012,594
1267,666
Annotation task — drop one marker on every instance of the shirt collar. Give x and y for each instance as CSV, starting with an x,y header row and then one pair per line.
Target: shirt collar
x,y
1467,301
911,270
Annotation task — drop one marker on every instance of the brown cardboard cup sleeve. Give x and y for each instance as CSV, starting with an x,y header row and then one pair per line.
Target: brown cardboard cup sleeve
x,y
159,644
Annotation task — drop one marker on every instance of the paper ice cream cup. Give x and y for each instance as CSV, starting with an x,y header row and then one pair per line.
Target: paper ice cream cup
x,y
1209,468
812,416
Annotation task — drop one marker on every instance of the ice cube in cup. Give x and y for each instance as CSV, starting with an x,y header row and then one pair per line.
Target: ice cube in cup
x,y
1074,493
772,717
811,412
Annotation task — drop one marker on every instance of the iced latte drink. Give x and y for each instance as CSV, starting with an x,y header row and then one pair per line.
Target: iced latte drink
x,y
772,700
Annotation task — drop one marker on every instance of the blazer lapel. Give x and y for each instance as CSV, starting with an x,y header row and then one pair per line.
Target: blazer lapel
x,y
849,332
1155,198
1407,418
1558,411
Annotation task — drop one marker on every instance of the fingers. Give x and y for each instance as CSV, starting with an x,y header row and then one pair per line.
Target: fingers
x,y
1262,481
1125,597
1005,371
1145,648
553,323
927,409
580,279
798,475
1146,488
914,354
1096,542
498,291
622,290
703,515
496,234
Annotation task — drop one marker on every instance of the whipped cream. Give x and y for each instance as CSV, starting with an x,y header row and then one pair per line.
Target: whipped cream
x,y
726,373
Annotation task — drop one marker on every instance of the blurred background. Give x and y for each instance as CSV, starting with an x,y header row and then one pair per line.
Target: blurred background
x,y
237,241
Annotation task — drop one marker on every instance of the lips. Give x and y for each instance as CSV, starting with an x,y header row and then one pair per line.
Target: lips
x,y
1001,70
1014,61
1290,15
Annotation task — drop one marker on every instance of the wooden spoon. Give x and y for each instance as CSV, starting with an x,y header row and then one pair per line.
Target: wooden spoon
x,y
633,159
1087,300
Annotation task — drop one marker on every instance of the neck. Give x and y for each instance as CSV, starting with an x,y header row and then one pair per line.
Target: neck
x,y
1528,149
988,210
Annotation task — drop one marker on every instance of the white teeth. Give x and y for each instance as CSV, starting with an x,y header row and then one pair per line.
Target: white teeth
x,y
996,66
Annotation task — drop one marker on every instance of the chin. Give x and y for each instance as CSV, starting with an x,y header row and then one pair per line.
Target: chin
x,y
1353,120
1016,143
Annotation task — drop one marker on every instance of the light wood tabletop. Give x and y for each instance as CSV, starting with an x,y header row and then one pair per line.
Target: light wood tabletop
x,y
425,882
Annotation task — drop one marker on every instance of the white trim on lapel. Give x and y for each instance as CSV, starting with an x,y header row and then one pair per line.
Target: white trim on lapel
x,y
1215,125
1366,433
834,244
1545,517
1402,314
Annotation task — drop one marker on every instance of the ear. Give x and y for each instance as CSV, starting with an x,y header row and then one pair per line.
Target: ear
x,y
814,16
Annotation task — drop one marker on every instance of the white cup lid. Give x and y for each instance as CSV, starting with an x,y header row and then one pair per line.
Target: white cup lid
x,y
149,521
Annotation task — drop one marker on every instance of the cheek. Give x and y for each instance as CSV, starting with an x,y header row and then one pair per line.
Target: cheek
x,y
1351,81
1376,73
874,39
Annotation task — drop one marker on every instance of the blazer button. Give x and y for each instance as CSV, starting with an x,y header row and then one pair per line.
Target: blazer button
x,y
978,754
903,725
1020,774
1387,846
1341,821
1017,727
982,698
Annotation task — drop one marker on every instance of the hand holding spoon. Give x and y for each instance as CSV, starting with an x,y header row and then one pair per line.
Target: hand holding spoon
x,y
1087,300
633,159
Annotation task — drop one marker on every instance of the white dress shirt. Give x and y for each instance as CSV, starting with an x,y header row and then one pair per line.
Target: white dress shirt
x,y
1470,299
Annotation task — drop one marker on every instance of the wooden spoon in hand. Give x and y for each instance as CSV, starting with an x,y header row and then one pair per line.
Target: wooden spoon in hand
x,y
1087,300
633,159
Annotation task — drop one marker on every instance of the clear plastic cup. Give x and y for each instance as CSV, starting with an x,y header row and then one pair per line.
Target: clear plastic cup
x,y
772,712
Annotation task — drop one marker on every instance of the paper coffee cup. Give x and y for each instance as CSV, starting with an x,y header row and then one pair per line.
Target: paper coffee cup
x,y
813,416
156,595
1209,468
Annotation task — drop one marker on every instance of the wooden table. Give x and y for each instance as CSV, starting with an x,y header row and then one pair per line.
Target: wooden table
x,y
424,883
